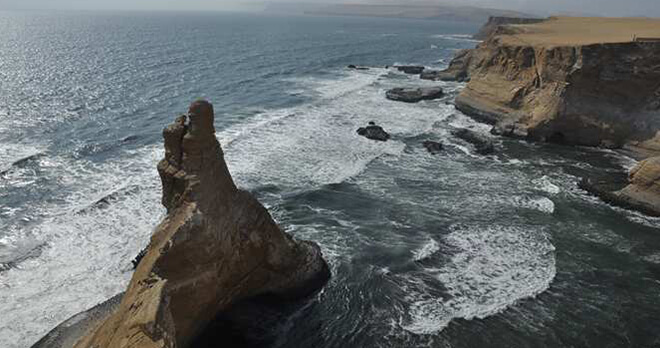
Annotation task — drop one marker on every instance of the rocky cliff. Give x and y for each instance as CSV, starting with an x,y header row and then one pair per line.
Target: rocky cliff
x,y
575,81
216,246
494,22
535,83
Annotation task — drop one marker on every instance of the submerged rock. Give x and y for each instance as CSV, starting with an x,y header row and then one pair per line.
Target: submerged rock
x,y
216,246
482,144
437,75
138,258
414,95
433,147
410,69
373,132
357,67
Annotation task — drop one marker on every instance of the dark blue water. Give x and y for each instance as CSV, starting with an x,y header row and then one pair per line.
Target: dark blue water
x,y
454,250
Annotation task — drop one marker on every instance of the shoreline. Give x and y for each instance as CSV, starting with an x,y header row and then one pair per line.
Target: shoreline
x,y
551,81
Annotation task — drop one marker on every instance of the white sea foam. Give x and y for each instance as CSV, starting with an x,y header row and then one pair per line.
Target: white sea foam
x,y
494,268
315,143
545,184
456,37
10,153
426,250
87,252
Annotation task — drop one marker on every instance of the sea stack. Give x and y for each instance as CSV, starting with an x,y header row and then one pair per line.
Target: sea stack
x,y
216,246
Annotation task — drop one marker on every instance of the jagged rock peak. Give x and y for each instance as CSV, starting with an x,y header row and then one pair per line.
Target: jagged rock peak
x,y
216,246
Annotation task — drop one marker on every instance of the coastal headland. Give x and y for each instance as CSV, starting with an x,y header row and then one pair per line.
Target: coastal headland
x,y
573,81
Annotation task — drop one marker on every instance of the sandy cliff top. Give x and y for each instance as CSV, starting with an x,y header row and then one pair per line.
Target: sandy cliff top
x,y
567,31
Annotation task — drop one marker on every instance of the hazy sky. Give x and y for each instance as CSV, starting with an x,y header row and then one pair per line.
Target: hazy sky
x,y
596,7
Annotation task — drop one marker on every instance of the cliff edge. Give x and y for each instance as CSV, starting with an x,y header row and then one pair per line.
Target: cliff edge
x,y
573,81
216,246
494,22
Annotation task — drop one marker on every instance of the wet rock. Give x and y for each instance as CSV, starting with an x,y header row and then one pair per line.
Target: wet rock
x,y
560,91
138,258
410,69
433,147
414,95
482,144
639,190
459,68
437,75
217,245
373,132
510,130
356,67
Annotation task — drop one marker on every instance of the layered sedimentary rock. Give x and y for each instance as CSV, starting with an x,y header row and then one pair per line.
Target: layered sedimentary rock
x,y
459,68
640,190
539,82
643,192
216,246
575,81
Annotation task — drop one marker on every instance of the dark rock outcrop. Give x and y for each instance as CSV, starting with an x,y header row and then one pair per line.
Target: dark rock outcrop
x,y
437,75
357,67
138,258
459,68
414,95
483,145
217,245
410,69
433,147
373,132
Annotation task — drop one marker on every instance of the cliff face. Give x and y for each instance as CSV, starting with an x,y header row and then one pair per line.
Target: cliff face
x,y
216,246
596,95
576,81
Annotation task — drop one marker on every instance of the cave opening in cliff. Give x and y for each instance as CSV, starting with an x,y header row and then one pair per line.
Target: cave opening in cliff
x,y
557,138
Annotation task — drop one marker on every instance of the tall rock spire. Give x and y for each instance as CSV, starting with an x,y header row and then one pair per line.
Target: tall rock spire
x,y
216,246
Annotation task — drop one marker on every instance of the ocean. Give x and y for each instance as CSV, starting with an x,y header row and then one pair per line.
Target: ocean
x,y
447,250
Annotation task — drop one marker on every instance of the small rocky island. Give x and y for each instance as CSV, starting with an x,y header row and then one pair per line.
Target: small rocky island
x,y
572,81
217,245
373,132
414,94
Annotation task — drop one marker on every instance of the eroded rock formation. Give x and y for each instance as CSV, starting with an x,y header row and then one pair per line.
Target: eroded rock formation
x,y
373,132
574,81
482,144
640,190
643,192
459,68
414,95
216,246
533,82
410,69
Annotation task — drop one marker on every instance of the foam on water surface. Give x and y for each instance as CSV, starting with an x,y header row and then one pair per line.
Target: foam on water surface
x,y
492,268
